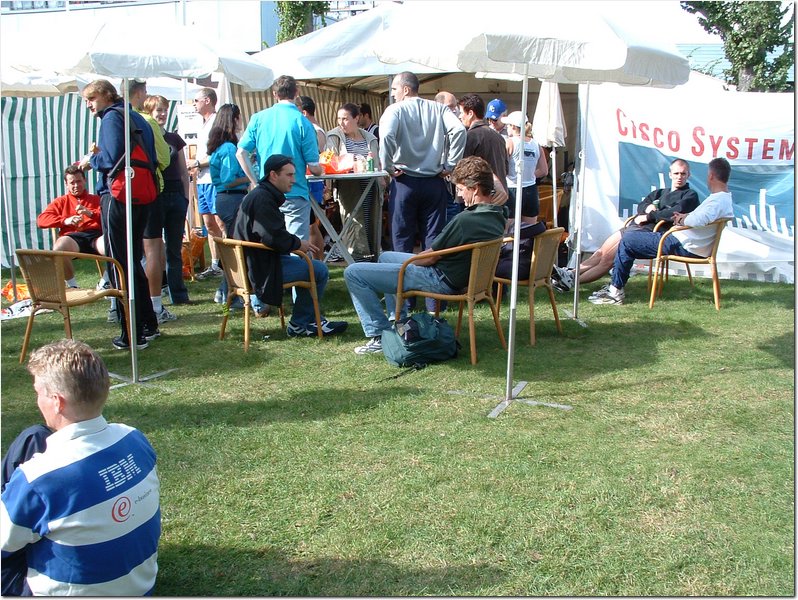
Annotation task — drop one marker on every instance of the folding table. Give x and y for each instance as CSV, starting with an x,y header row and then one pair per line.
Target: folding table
x,y
349,222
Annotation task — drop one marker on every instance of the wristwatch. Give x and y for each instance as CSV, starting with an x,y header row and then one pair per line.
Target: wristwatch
x,y
196,163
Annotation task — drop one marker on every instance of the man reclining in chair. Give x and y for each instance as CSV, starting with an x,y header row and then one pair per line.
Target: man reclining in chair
x,y
659,205
259,220
77,215
482,220
696,242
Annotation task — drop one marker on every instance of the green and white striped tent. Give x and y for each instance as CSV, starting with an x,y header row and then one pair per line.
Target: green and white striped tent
x,y
40,137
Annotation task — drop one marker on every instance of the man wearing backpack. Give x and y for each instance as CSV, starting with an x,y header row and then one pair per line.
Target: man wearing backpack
x,y
104,102
481,220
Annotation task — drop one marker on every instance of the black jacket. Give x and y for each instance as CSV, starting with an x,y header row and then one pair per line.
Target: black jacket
x,y
259,220
683,200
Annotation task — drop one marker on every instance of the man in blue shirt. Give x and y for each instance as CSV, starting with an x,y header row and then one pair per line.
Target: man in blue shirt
x,y
282,129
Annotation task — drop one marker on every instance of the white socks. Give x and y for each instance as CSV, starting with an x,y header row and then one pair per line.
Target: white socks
x,y
157,304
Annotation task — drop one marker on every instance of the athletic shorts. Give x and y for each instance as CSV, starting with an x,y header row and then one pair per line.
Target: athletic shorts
x,y
206,198
154,228
85,240
530,201
316,189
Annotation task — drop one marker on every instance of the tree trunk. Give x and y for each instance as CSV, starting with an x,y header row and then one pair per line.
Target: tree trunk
x,y
308,22
745,78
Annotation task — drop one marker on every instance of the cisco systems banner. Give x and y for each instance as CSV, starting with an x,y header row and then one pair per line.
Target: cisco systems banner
x,y
634,133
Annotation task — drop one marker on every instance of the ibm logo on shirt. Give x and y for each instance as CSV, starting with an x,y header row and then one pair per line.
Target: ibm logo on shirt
x,y
118,473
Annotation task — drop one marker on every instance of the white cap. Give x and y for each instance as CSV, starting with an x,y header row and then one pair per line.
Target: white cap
x,y
515,118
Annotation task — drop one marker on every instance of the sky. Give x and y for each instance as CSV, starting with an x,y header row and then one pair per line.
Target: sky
x,y
663,18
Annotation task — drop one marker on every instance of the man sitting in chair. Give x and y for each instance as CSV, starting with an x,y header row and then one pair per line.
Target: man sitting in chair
x,y
77,215
259,220
482,220
696,242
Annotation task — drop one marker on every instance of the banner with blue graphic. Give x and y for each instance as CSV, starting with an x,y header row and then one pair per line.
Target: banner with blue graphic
x,y
633,134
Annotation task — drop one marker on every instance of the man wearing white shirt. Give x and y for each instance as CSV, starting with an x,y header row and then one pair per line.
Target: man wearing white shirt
x,y
205,105
696,242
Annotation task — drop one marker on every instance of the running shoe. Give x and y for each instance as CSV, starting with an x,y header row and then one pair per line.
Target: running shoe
x,y
373,346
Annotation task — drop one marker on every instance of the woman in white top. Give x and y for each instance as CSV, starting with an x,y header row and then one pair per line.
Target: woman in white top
x,y
348,138
535,165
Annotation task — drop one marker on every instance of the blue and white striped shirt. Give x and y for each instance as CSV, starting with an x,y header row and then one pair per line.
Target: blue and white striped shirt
x,y
88,508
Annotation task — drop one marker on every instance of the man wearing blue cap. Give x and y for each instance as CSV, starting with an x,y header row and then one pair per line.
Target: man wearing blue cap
x,y
494,113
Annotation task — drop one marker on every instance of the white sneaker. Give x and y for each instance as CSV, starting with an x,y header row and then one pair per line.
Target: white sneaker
x,y
566,277
608,297
335,255
600,292
166,315
373,346
211,271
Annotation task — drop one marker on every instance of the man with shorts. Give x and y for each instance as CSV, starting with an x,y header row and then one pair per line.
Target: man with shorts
x,y
205,105
77,215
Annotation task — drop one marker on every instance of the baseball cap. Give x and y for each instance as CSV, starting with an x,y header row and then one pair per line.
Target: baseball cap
x,y
495,109
515,119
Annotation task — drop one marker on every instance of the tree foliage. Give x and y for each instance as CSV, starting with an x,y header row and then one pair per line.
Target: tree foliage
x,y
751,31
296,18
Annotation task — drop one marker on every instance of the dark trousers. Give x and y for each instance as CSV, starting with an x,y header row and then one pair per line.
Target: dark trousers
x,y
15,566
174,206
115,233
417,207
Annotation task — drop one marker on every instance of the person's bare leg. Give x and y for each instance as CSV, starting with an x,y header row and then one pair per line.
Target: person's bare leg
x,y
598,265
156,261
67,244
212,225
99,246
317,240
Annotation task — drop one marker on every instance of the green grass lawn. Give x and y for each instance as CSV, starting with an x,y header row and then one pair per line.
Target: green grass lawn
x,y
302,469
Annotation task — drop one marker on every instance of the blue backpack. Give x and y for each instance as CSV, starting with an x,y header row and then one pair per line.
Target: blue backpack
x,y
418,340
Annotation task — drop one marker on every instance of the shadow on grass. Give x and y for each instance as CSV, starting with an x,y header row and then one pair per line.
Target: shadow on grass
x,y
215,571
782,347
731,290
597,349
310,405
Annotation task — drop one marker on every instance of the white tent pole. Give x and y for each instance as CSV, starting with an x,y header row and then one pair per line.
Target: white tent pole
x,y
519,170
580,199
131,290
554,204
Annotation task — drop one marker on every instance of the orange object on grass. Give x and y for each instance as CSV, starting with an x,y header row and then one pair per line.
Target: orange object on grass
x,y
8,292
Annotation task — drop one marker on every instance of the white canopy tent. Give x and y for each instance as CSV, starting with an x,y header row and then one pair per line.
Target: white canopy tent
x,y
116,50
342,53
557,42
